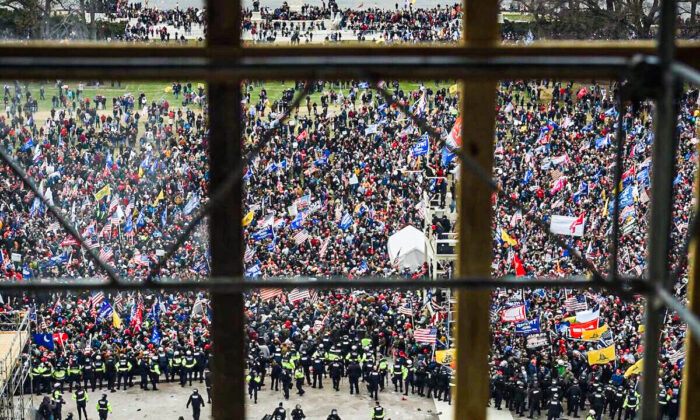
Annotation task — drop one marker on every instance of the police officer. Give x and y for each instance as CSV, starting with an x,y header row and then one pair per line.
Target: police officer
x,y
535,398
275,374
298,413
354,373
663,401
598,402
431,382
110,372
143,369
280,413
336,372
334,415
88,373
420,379
408,373
154,372
299,375
200,361
672,408
100,370
519,398
57,402
555,409
591,415
103,407
573,397
81,398
305,362
176,368
207,382
74,373
498,390
373,383
59,375
189,364
123,369
616,404
197,403
383,369
286,382
631,404
396,377
253,381
46,376
609,394
378,411
319,371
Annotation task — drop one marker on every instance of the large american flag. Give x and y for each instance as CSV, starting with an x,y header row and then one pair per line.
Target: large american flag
x,y
119,302
298,294
96,298
115,202
106,254
106,229
406,309
249,254
572,304
267,294
324,247
301,237
426,335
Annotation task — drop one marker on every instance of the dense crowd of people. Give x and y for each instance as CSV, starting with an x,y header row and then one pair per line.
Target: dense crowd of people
x,y
402,24
144,23
339,175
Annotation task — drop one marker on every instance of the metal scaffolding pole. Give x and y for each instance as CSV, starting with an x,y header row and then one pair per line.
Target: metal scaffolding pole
x,y
663,156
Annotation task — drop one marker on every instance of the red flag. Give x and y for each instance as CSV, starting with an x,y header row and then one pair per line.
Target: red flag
x,y
61,338
576,330
519,269
577,222
302,136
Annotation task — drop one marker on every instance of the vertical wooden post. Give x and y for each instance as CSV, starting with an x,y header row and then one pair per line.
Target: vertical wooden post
x,y
478,127
690,406
225,231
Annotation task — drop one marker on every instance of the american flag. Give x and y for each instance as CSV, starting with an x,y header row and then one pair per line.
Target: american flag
x,y
70,241
115,202
267,294
303,203
298,294
320,323
106,229
406,309
96,299
249,254
92,244
572,304
426,335
119,302
420,207
675,357
301,237
114,220
324,247
106,254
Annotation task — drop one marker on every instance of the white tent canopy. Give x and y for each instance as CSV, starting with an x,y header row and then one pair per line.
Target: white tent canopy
x,y
409,245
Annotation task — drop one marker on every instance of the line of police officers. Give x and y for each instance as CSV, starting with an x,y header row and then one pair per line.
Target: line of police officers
x,y
74,369
614,400
310,364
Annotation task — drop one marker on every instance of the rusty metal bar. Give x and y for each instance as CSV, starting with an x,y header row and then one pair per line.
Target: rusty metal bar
x,y
478,112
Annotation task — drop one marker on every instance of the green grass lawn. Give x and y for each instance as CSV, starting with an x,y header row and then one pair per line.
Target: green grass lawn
x,y
155,91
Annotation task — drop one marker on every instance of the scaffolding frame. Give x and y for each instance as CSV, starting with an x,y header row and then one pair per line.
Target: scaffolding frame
x,y
14,372
654,68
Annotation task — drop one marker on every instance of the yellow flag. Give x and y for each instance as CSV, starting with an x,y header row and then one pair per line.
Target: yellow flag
x,y
602,356
116,321
605,207
445,356
158,198
640,328
594,335
105,191
635,369
140,172
248,218
454,89
506,238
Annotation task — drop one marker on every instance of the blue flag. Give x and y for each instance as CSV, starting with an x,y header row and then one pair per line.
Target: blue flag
x,y
164,217
345,222
155,337
421,148
45,340
129,225
263,233
191,205
141,220
105,311
528,176
28,144
528,327
447,157
253,271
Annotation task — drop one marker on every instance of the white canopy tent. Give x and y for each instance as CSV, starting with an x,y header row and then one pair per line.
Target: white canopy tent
x,y
409,245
